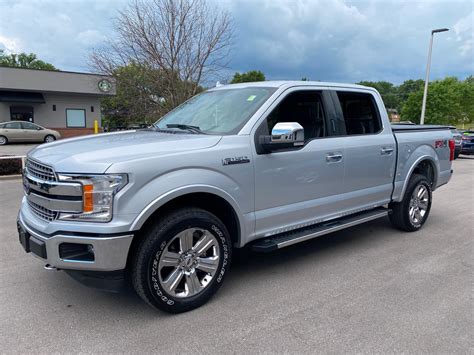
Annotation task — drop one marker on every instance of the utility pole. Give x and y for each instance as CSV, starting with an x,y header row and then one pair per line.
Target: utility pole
x,y
427,79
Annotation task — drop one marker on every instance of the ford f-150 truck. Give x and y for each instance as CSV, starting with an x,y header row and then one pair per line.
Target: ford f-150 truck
x,y
264,164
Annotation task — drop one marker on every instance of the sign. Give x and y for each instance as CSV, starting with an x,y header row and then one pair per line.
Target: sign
x,y
105,85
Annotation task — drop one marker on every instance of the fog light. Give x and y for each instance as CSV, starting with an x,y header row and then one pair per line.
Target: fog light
x,y
76,252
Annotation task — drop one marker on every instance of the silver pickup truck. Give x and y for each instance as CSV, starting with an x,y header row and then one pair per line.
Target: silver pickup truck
x,y
264,165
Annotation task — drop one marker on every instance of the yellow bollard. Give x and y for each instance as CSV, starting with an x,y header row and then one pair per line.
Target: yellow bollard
x,y
96,126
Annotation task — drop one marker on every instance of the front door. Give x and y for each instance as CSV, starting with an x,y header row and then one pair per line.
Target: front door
x,y
296,187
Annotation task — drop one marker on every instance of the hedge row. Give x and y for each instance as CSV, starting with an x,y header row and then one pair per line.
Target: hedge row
x,y
10,166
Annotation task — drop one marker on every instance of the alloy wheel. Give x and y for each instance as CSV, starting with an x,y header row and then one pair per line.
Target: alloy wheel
x,y
188,263
419,203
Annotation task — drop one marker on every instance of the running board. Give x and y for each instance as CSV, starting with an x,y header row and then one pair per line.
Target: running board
x,y
282,240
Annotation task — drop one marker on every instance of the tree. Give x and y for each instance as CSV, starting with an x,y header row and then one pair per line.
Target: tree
x,y
139,96
23,60
180,43
248,77
387,90
450,101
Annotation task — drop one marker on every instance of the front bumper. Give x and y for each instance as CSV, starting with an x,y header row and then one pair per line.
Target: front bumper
x,y
109,252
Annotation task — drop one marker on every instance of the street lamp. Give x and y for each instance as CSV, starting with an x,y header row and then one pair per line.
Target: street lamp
x,y
425,93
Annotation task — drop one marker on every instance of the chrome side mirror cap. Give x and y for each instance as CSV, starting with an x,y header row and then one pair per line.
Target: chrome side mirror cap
x,y
288,132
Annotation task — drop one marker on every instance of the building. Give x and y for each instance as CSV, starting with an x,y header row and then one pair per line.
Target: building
x,y
65,101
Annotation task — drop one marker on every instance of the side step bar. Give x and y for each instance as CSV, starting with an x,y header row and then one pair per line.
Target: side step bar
x,y
282,240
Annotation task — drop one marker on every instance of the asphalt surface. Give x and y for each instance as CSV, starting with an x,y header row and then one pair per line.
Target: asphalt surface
x,y
369,289
16,149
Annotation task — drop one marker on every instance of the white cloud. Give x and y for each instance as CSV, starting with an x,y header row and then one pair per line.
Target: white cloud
x,y
90,37
10,45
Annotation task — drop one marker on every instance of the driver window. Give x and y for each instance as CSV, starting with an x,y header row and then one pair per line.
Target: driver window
x,y
30,126
304,107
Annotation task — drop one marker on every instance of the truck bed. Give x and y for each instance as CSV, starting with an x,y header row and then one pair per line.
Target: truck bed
x,y
409,128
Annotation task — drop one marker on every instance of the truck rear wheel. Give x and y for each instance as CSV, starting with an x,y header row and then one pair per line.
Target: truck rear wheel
x,y
182,260
412,212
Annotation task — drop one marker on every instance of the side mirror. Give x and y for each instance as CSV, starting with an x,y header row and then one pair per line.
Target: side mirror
x,y
284,135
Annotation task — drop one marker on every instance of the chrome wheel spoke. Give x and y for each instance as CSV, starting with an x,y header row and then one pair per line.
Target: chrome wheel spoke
x,y
204,243
173,280
186,240
170,258
208,265
423,204
192,284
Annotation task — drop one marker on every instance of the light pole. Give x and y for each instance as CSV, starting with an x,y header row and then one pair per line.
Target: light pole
x,y
427,79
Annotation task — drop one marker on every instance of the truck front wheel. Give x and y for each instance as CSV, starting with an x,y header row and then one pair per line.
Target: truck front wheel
x,y
412,212
181,260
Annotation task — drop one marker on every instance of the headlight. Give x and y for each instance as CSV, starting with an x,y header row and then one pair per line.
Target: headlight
x,y
98,196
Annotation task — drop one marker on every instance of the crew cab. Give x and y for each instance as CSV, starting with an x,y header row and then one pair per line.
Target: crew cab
x,y
264,165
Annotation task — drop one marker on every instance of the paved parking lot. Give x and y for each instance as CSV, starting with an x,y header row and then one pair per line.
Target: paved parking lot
x,y
367,289
16,149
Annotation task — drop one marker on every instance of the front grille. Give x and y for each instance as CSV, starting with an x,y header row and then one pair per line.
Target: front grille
x,y
40,171
42,212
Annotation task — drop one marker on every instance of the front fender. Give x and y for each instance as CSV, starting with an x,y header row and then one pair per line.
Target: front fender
x,y
171,185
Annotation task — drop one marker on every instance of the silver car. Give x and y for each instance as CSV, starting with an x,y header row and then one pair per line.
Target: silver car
x,y
20,131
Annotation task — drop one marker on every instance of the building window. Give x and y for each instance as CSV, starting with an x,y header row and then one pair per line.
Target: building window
x,y
92,108
54,107
21,113
75,118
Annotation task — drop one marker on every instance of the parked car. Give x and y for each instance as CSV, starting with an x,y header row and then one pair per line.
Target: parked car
x,y
457,141
467,146
21,131
262,164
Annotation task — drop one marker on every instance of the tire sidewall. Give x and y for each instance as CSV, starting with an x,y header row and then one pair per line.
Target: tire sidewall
x,y
420,180
159,297
5,140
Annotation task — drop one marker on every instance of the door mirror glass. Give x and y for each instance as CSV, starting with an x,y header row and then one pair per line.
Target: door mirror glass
x,y
288,132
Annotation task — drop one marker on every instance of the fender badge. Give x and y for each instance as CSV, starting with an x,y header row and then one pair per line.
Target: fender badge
x,y
235,160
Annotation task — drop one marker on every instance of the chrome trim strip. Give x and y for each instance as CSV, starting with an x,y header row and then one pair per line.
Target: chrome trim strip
x,y
332,229
54,187
54,204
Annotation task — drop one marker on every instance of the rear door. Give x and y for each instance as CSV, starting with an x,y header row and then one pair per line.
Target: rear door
x,y
370,149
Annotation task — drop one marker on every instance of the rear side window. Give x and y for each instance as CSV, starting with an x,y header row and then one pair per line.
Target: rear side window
x,y
360,113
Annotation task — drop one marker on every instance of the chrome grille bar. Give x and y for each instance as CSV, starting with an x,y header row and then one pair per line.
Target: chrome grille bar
x,y
39,170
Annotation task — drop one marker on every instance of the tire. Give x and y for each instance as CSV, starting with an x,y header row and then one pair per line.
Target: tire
x,y
49,138
164,273
456,155
401,217
3,140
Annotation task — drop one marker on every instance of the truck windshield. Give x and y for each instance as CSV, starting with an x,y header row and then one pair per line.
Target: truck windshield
x,y
222,111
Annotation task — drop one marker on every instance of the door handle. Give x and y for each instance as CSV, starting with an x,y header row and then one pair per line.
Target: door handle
x,y
333,157
386,150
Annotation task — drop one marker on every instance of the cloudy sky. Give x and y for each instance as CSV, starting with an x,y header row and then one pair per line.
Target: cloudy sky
x,y
329,40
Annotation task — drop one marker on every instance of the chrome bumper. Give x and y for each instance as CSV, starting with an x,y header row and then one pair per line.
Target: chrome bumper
x,y
110,253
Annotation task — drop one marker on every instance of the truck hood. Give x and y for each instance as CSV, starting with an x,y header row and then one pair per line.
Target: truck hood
x,y
96,153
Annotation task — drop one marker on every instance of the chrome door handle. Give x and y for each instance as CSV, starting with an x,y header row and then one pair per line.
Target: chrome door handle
x,y
333,157
386,150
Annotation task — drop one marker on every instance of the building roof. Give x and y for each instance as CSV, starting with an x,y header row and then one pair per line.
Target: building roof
x,y
50,81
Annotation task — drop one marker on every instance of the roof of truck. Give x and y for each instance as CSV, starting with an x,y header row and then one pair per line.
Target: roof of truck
x,y
289,83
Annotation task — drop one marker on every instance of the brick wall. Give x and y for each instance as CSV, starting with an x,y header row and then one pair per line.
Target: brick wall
x,y
74,132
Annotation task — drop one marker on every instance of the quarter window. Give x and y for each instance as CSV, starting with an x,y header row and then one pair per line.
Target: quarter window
x,y
360,113
12,125
76,118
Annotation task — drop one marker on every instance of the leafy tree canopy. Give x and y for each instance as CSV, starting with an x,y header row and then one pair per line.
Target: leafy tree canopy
x,y
250,76
450,101
24,60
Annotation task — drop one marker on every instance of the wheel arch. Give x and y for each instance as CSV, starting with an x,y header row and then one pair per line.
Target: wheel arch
x,y
424,165
208,198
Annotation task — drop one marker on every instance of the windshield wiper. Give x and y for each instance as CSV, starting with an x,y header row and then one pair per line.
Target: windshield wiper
x,y
194,129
